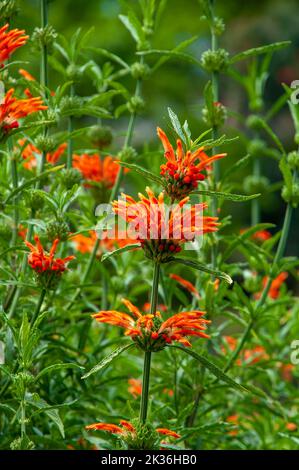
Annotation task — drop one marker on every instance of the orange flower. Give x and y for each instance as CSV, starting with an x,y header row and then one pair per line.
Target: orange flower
x,y
233,419
291,427
135,387
160,232
10,41
168,392
261,235
27,75
150,332
85,244
30,152
286,371
44,264
94,169
187,284
276,284
22,232
183,171
127,430
248,356
147,307
13,109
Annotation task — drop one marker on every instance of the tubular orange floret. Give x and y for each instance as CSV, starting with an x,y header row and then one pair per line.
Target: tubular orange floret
x,y
12,109
113,428
186,284
183,171
168,432
10,41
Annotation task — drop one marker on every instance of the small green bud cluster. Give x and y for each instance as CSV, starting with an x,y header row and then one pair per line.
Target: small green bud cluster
x,y
139,70
136,105
57,228
255,184
214,61
127,154
44,37
216,116
100,136
34,199
291,194
69,177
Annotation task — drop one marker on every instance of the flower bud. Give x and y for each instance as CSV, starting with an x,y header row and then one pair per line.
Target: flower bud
x,y
218,26
136,105
45,143
214,61
291,195
216,117
8,8
34,199
69,177
145,437
255,184
256,147
139,70
293,160
43,37
57,229
127,154
100,136
254,122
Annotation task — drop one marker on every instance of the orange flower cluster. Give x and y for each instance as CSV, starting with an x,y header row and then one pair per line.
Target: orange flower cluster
x,y
276,284
183,171
150,332
44,264
262,235
29,153
160,232
186,284
95,169
249,356
135,387
125,428
10,41
13,109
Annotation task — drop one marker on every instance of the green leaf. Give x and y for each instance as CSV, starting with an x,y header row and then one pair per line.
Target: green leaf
x,y
215,370
55,367
32,181
109,55
108,359
228,196
176,125
202,267
41,404
259,50
142,171
133,25
133,246
240,164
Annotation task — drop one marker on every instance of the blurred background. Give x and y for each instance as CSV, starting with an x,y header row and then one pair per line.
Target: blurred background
x,y
179,84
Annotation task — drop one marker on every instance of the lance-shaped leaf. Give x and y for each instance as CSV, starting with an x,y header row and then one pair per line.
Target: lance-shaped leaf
x,y
142,171
31,181
133,246
202,267
228,196
108,359
240,164
176,125
215,370
259,50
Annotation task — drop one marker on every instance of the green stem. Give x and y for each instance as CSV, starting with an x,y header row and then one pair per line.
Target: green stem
x,y
38,306
15,183
255,204
69,162
43,71
147,354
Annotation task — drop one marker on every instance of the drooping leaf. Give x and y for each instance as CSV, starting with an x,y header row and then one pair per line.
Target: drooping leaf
x,y
108,359
202,267
228,196
143,172
123,249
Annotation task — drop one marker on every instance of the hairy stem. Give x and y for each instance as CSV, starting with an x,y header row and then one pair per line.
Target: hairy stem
x,y
147,354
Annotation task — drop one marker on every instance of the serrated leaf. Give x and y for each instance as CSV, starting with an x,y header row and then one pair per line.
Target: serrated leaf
x,y
215,370
176,125
228,196
123,249
259,50
108,359
202,267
